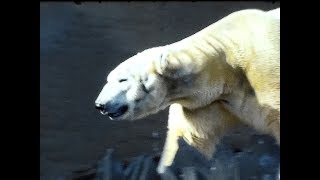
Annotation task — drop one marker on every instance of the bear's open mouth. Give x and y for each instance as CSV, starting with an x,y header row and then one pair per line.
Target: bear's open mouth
x,y
112,115
115,115
103,112
121,111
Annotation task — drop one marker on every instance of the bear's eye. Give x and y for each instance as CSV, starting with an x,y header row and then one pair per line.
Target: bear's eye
x,y
122,80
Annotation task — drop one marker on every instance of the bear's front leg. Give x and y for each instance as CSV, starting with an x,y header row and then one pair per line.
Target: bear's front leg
x,y
169,151
171,145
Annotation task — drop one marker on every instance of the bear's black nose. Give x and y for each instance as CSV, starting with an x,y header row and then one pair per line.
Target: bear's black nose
x,y
100,106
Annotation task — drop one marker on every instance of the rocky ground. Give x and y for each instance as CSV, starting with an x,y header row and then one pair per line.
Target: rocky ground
x,y
242,154
80,44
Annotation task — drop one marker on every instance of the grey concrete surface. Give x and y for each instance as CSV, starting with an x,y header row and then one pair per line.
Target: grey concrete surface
x,y
79,45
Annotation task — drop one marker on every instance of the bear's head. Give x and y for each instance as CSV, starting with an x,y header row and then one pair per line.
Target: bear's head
x,y
148,82
134,89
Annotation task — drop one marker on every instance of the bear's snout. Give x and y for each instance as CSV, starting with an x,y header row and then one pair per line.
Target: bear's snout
x,y
112,109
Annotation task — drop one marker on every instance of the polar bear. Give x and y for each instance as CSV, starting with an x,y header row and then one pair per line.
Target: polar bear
x,y
229,72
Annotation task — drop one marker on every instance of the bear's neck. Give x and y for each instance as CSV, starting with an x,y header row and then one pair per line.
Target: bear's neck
x,y
219,74
220,41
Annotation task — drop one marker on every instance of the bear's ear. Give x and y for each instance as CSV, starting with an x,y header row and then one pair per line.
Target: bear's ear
x,y
164,66
168,65
175,64
163,62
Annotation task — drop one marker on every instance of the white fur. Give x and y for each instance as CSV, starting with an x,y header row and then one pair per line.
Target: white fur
x,y
226,73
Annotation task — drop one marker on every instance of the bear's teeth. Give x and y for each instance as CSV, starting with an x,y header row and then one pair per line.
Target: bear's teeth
x,y
103,113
